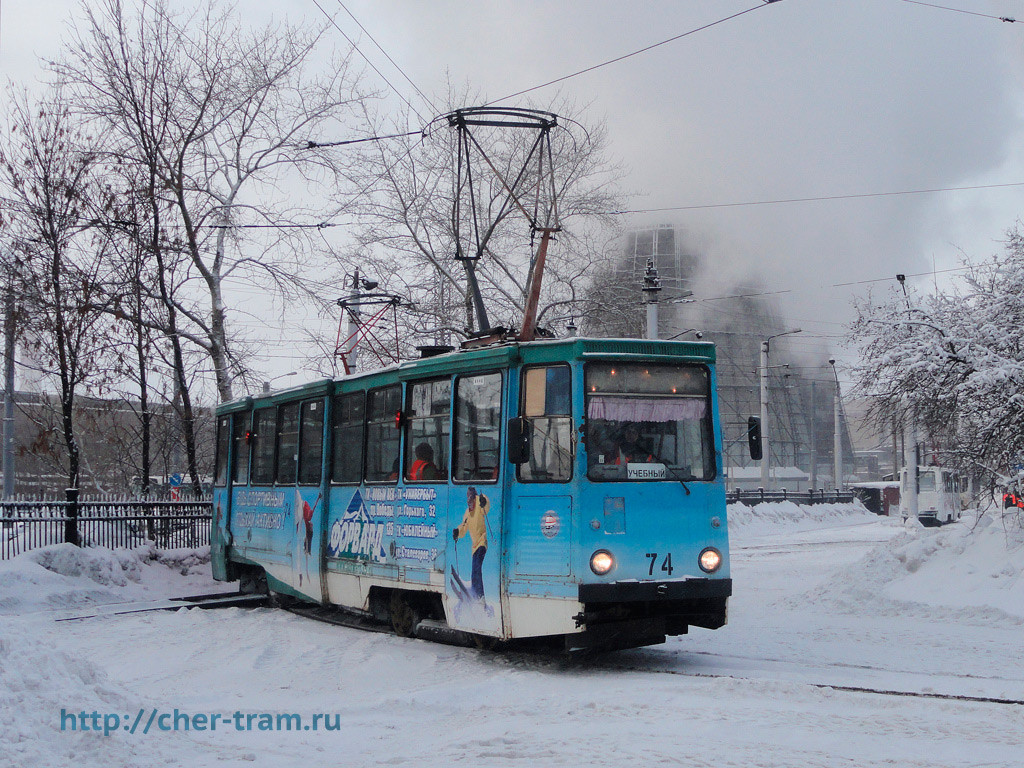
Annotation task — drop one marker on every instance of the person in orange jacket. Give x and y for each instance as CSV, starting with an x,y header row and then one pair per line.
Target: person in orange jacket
x,y
423,468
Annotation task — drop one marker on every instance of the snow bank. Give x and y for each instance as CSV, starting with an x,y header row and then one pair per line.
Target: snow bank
x,y
65,576
787,516
971,571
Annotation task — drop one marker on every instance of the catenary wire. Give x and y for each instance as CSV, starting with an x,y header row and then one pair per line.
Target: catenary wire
x,y
1008,19
368,61
628,55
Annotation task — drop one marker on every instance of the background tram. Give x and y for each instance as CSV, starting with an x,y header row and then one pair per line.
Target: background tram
x,y
939,495
570,490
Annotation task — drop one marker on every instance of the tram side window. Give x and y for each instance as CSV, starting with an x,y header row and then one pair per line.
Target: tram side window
x,y
382,437
311,442
240,449
287,443
477,427
428,424
261,443
221,475
546,404
348,417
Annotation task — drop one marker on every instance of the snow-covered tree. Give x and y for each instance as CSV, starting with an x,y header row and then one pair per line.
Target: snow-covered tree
x,y
953,361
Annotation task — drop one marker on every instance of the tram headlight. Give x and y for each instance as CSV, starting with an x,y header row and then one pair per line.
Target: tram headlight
x,y
709,560
601,562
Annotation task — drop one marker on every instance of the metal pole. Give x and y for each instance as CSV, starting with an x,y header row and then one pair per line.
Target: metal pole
x,y
8,432
910,464
814,436
765,447
353,321
838,439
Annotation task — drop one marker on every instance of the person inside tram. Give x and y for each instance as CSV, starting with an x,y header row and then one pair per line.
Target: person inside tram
x,y
630,449
423,468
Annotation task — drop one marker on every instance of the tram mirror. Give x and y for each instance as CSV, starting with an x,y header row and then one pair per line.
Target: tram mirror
x,y
754,437
518,440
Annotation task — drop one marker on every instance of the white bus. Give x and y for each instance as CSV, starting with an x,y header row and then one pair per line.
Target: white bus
x,y
938,495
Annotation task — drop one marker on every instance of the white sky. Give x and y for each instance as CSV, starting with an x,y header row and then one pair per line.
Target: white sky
x,y
800,98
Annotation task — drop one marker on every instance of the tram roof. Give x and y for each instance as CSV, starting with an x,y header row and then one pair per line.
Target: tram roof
x,y
493,357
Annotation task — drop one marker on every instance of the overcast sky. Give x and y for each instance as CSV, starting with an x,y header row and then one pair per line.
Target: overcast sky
x,y
799,98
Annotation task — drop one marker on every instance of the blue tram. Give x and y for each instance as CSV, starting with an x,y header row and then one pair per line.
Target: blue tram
x,y
570,490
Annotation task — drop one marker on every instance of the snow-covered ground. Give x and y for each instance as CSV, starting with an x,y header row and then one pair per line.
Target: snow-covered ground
x,y
827,599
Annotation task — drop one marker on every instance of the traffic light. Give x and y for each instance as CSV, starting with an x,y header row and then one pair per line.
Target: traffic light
x,y
754,437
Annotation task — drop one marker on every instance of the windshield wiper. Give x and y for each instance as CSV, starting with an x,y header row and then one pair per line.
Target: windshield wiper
x,y
679,479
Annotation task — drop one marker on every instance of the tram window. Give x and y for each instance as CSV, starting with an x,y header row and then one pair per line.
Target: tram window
x,y
311,442
261,443
382,438
347,419
240,450
546,405
287,443
648,421
427,426
221,474
477,427
925,481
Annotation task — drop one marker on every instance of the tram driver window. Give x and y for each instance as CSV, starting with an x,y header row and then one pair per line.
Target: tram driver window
x,y
428,424
546,405
382,435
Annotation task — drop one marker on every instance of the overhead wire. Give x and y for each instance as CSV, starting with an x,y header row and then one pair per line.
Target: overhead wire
x,y
416,88
1008,19
368,61
820,198
628,55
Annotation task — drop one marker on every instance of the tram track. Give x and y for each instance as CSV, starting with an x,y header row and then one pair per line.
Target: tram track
x,y
836,687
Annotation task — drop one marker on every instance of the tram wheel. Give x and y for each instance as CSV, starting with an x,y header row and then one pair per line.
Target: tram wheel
x,y
404,615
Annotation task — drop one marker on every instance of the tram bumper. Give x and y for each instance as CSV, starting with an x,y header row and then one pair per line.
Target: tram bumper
x,y
627,614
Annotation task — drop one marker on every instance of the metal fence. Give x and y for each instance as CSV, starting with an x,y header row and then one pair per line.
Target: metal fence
x,y
26,525
760,496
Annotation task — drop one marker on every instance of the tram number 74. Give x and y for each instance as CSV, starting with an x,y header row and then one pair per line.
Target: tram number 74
x,y
666,564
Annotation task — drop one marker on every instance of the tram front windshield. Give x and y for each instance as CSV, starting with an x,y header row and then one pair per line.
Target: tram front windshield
x,y
648,422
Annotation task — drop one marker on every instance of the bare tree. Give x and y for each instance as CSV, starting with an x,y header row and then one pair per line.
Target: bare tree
x,y
49,168
219,117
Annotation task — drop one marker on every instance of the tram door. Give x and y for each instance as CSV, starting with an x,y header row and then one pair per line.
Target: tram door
x,y
309,497
227,462
541,526
476,507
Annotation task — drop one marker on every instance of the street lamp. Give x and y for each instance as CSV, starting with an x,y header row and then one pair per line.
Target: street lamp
x,y
837,439
266,384
765,452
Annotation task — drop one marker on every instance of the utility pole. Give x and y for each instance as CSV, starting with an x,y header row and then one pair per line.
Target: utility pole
x,y
814,436
910,467
651,287
765,446
765,432
353,321
837,434
8,432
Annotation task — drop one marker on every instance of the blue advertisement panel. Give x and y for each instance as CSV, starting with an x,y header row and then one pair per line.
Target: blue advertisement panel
x,y
405,527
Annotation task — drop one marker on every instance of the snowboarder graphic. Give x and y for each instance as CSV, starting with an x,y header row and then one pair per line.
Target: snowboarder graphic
x,y
474,522
304,544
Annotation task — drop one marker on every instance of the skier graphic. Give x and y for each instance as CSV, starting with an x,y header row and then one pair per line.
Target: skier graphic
x,y
474,522
304,545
